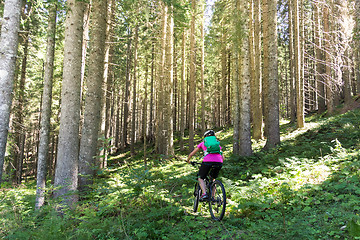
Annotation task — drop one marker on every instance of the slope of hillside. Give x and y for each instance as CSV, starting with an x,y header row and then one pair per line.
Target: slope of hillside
x,y
307,188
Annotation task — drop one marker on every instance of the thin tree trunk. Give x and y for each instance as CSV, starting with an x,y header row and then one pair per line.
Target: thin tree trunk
x,y
46,110
223,79
319,59
236,106
257,82
151,119
145,109
298,63
202,72
192,79
66,172
357,50
125,114
107,108
160,127
329,91
183,77
168,86
134,110
292,64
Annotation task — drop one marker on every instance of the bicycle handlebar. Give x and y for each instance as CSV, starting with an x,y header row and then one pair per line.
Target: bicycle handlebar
x,y
195,163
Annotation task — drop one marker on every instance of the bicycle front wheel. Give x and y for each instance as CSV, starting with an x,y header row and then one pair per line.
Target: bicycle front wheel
x,y
217,203
197,194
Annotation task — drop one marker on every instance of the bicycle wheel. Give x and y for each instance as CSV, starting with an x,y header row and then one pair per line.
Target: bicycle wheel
x,y
217,204
197,194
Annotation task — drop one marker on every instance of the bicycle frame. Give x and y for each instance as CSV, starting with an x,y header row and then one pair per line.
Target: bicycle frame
x,y
217,202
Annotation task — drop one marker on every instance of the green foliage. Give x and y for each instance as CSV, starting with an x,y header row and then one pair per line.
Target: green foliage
x,y
307,188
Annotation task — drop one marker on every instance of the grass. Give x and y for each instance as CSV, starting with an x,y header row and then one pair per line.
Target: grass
x,y
307,188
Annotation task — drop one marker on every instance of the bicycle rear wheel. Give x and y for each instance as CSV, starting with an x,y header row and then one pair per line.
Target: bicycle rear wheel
x,y
197,194
217,203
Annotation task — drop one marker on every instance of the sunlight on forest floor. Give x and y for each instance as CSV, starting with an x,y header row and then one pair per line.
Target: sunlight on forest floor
x,y
298,132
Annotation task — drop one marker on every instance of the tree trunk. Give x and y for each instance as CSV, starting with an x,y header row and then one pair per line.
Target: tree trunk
x,y
182,91
94,93
327,50
145,109
298,63
160,110
46,110
292,64
203,127
125,114
271,74
107,109
236,82
236,106
19,128
245,126
223,83
66,172
8,49
134,110
192,79
151,108
168,86
357,64
345,38
256,83
319,72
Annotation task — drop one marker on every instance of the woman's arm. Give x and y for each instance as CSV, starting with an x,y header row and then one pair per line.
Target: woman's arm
x,y
192,154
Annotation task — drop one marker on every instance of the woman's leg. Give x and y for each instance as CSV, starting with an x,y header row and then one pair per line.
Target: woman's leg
x,y
202,185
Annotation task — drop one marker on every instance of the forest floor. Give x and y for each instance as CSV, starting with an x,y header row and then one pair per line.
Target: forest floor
x,y
307,188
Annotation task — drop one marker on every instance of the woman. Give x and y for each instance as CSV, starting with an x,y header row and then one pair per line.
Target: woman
x,y
212,160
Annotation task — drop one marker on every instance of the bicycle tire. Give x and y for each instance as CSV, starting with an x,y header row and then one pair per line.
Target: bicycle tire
x,y
197,194
217,204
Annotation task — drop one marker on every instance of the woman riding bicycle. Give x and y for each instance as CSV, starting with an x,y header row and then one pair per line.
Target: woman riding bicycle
x,y
212,159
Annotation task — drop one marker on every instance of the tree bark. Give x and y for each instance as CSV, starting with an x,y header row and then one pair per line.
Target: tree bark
x,y
236,106
292,64
19,128
94,93
223,83
357,64
151,108
134,95
256,80
203,127
160,127
108,92
8,50
271,74
298,63
66,172
46,109
125,114
245,126
182,91
168,86
319,72
192,79
328,60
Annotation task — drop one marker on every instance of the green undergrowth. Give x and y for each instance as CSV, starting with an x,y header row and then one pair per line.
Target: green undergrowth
x,y
306,188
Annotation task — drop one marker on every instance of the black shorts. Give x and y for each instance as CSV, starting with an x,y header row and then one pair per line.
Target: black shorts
x,y
207,166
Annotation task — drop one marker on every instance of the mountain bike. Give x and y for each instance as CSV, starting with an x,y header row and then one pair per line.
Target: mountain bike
x,y
217,196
